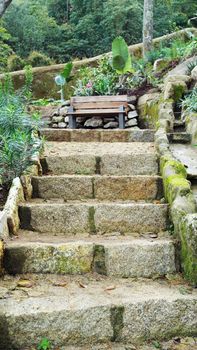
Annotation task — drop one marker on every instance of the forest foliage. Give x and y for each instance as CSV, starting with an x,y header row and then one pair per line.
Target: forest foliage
x,y
41,32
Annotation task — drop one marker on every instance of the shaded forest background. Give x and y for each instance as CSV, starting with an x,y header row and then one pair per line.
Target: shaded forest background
x,y
42,32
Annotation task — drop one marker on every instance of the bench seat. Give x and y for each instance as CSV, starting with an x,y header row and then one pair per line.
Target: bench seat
x,y
97,106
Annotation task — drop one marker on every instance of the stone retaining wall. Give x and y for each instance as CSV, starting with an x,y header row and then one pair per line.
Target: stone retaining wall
x,y
44,85
177,188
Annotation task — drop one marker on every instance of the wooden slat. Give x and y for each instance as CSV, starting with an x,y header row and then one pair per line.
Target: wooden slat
x,y
95,111
102,105
80,99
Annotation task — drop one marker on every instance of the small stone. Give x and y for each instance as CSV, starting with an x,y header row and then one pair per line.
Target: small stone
x,y
63,111
131,122
54,125
55,114
62,125
81,120
94,122
111,125
57,119
66,119
132,115
131,106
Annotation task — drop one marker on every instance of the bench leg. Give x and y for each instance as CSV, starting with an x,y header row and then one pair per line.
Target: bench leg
x,y
72,122
121,121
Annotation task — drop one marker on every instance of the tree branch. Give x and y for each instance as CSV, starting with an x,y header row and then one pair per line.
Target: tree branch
x,y
3,6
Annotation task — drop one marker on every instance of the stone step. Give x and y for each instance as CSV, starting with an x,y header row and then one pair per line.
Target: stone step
x,y
84,311
100,158
120,257
93,217
81,135
179,123
179,137
76,187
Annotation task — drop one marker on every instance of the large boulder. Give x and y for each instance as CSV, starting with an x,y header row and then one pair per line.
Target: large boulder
x,y
175,90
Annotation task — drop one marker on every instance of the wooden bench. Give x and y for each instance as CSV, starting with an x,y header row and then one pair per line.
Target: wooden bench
x,y
106,106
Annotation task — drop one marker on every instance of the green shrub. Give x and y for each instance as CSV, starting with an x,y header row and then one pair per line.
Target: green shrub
x,y
190,101
38,59
5,50
102,80
15,63
17,134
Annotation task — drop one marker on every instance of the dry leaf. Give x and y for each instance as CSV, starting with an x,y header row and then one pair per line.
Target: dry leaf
x,y
25,284
153,235
110,288
60,284
82,285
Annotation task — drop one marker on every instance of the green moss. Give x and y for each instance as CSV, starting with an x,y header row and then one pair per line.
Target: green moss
x,y
163,160
177,166
99,260
178,92
188,252
152,110
91,220
72,263
175,185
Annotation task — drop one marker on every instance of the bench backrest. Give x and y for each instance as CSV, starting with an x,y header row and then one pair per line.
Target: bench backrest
x,y
99,102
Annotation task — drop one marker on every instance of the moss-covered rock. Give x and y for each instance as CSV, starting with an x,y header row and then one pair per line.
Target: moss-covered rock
x,y
148,108
175,90
188,234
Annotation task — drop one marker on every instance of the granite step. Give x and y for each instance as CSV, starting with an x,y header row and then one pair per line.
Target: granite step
x,y
93,217
120,257
71,187
104,158
179,137
92,310
82,135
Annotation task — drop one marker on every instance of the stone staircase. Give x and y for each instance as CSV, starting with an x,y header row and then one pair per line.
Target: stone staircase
x,y
94,243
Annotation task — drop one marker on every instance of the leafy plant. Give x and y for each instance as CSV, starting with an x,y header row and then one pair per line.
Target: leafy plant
x,y
64,77
102,80
191,66
17,130
189,103
44,344
121,59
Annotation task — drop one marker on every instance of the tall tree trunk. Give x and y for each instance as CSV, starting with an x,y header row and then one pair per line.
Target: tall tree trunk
x,y
3,6
148,27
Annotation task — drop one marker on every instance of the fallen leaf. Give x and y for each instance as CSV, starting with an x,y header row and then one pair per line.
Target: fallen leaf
x,y
25,284
60,284
82,285
153,235
110,288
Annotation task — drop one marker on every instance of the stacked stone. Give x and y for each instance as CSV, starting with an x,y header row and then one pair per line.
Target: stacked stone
x,y
60,119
